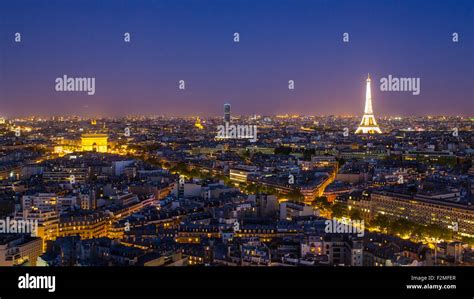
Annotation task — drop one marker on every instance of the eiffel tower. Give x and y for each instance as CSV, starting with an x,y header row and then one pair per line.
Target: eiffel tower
x,y
368,125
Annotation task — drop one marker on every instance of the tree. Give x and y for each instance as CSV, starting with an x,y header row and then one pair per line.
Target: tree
x,y
307,153
341,162
468,240
227,181
252,188
382,222
295,194
401,226
355,214
322,203
438,232
194,173
282,150
419,230
338,210
246,154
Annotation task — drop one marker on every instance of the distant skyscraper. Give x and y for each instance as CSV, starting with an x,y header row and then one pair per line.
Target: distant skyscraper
x,y
227,112
368,125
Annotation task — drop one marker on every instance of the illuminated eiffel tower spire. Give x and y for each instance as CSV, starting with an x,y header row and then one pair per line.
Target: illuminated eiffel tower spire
x,y
368,125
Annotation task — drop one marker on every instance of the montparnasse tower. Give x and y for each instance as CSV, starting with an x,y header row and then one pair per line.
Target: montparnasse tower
x,y
368,125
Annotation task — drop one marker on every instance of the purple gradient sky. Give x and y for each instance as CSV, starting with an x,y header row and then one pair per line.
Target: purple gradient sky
x,y
192,40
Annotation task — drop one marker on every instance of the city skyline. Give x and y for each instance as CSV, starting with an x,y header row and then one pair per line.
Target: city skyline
x,y
189,141
182,40
368,110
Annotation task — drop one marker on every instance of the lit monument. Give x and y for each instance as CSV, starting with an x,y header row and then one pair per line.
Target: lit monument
x,y
368,125
94,143
198,124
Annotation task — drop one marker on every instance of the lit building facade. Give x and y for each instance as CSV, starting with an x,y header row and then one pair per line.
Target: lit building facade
x,y
91,226
20,250
424,211
240,173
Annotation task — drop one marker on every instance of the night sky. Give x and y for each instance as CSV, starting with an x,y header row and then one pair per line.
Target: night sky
x,y
193,41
